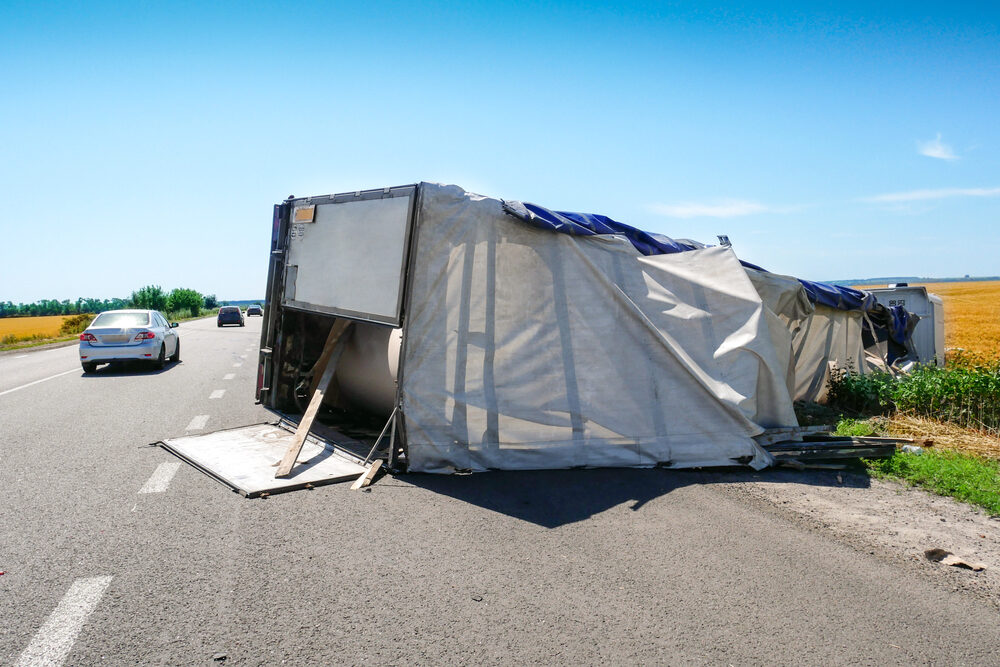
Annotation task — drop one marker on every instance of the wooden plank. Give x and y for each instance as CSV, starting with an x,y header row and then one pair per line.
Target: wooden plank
x,y
335,343
366,479
336,331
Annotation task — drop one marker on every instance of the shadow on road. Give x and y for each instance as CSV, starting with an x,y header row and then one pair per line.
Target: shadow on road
x,y
553,498
128,369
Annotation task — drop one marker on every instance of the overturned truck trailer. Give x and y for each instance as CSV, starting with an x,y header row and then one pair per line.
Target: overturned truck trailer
x,y
476,334
489,342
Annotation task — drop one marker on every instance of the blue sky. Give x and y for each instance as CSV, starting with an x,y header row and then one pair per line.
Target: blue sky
x,y
146,144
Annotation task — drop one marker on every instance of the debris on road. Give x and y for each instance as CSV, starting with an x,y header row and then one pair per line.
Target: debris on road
x,y
946,557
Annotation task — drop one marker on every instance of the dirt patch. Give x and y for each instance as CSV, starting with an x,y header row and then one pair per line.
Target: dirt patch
x,y
888,519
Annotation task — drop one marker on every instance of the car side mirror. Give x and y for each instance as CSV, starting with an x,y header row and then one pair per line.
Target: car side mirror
x,y
174,325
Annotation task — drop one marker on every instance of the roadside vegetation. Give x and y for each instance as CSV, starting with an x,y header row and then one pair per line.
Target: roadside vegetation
x,y
50,321
953,411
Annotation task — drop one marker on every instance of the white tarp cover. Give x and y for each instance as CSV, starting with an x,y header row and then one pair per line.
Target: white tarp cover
x,y
787,308
529,349
828,338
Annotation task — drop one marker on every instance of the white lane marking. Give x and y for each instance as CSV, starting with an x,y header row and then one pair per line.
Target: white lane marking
x,y
135,506
229,376
160,479
197,423
243,356
20,356
218,393
74,370
53,641
237,364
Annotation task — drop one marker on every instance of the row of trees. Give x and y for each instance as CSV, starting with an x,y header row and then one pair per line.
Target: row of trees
x,y
151,296
179,299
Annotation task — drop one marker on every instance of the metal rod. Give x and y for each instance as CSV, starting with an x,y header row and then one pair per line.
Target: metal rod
x,y
392,420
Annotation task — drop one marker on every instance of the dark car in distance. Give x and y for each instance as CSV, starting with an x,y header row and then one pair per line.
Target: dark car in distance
x,y
255,309
230,315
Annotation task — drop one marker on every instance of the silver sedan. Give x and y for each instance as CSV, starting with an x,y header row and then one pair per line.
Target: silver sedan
x,y
129,335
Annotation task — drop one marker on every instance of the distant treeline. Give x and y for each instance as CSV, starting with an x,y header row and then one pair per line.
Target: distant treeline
x,y
913,280
64,307
152,297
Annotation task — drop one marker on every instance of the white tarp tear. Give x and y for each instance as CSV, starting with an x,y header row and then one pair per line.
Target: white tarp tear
x,y
528,349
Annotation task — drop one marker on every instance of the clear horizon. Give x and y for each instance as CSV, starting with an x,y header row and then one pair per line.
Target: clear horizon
x,y
146,144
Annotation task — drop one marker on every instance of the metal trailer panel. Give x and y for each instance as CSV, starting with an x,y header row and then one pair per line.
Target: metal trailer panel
x,y
346,254
928,335
245,458
937,306
269,327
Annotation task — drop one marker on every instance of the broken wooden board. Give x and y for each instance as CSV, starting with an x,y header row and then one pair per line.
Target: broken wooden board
x,y
830,448
773,435
366,479
335,343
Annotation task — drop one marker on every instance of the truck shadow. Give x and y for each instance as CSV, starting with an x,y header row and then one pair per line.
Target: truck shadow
x,y
128,369
553,498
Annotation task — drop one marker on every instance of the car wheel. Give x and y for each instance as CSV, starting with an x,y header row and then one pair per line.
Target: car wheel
x,y
89,367
220,324
176,356
162,358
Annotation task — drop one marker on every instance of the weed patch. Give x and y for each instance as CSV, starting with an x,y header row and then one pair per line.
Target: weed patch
x,y
967,394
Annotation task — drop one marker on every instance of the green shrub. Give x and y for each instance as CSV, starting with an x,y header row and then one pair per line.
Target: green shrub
x,y
967,395
185,299
75,324
870,394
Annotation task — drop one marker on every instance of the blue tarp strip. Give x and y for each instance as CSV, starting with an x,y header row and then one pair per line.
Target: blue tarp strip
x,y
588,224
897,328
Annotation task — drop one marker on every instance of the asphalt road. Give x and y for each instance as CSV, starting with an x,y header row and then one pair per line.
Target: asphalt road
x,y
113,552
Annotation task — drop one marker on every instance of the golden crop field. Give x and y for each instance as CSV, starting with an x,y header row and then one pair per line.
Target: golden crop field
x,y
24,327
971,315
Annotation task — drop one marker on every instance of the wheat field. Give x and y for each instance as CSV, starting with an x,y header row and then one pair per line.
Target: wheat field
x,y
971,315
25,327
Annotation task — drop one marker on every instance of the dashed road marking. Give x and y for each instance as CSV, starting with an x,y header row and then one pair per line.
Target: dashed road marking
x,y
54,640
237,364
160,479
197,423
74,370
20,356
229,376
218,393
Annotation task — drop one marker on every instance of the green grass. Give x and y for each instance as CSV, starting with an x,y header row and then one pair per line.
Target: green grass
x,y
946,473
862,428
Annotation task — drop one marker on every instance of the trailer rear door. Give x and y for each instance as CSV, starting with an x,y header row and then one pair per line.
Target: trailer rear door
x,y
347,254
246,458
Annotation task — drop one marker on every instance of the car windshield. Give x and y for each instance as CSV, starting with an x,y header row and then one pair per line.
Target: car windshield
x,y
121,320
229,309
